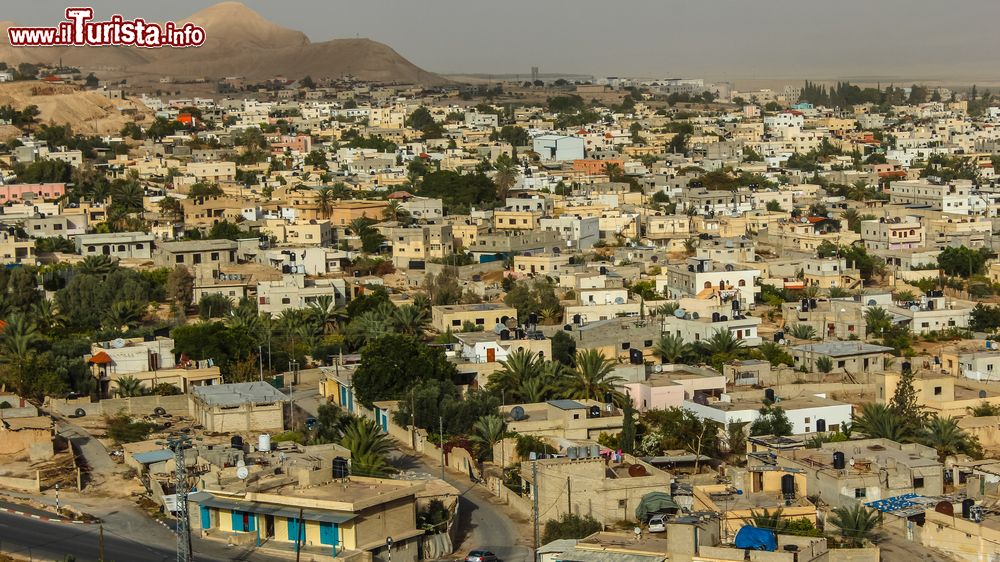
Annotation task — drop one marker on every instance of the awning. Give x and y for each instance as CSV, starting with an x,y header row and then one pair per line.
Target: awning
x,y
101,358
206,499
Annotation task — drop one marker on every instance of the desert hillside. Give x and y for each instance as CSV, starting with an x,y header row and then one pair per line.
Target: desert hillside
x,y
86,112
238,42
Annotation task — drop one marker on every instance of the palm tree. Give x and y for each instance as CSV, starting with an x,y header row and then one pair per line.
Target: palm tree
x,y
880,421
324,199
593,378
394,211
824,364
520,366
853,218
47,317
723,342
370,325
856,522
99,265
690,244
946,437
802,331
127,195
360,225
613,171
768,519
326,313
877,320
506,175
129,386
369,447
124,314
19,336
666,309
671,348
487,432
409,319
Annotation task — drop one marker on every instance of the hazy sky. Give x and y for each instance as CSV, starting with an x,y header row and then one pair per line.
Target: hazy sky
x,y
717,39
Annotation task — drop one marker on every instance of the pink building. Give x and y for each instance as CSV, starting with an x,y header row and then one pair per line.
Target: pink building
x,y
19,191
298,143
673,385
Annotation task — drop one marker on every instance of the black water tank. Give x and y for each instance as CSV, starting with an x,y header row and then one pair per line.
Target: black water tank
x,y
821,425
967,504
812,303
778,336
635,356
340,469
716,316
724,318
736,304
907,367
577,319
805,305
788,485
603,270
533,319
769,394
568,327
236,442
839,462
594,412
505,334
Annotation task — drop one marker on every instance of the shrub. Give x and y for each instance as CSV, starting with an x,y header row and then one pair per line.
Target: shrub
x,y
122,429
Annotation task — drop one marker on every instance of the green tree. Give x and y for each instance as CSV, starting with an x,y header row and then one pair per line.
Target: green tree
x,y
856,522
771,421
881,421
129,386
593,378
564,348
824,364
487,432
947,438
671,348
392,363
570,526
369,447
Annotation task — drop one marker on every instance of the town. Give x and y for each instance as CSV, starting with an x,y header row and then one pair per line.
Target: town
x,y
520,318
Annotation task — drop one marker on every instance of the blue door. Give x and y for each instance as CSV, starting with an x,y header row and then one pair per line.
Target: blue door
x,y
244,521
206,518
328,533
343,397
293,531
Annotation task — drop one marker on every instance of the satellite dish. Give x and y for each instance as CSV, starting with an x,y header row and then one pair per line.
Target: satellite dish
x,y
619,300
871,302
658,368
637,531
679,313
852,461
517,413
498,328
695,316
242,473
783,342
117,343
512,322
914,308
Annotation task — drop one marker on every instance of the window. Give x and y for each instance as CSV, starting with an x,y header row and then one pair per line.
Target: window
x,y
622,504
807,420
860,493
480,321
179,258
918,482
647,343
937,391
286,300
626,345
456,322
196,258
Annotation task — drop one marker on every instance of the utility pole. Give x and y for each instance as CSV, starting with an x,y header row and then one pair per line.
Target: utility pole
x,y
260,361
569,497
298,536
441,433
100,543
178,444
534,493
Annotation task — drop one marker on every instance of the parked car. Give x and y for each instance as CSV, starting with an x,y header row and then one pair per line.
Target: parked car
x,y
481,556
658,524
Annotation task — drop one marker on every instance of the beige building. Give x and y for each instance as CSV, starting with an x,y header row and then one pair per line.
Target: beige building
x,y
238,407
419,243
453,317
295,291
566,419
591,487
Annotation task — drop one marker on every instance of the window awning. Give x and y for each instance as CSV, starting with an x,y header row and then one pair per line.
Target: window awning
x,y
206,499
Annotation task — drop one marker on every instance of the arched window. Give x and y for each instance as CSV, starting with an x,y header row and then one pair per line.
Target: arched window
x,y
742,283
708,284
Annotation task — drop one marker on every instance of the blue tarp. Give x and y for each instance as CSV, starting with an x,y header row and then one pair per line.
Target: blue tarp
x,y
894,503
755,538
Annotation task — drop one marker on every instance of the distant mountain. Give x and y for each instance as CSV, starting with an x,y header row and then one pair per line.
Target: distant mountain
x,y
238,42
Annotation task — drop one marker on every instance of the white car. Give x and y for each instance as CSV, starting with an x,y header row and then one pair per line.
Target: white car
x,y
658,524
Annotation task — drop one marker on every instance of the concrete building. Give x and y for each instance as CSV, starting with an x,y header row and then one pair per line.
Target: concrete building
x,y
194,252
453,317
238,407
580,233
668,386
733,284
807,413
591,487
558,147
121,245
854,357
295,290
565,419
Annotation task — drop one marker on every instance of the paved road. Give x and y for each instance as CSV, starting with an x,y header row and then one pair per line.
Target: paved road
x,y
98,460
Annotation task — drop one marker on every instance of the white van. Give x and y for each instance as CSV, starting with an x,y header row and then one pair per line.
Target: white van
x,y
658,524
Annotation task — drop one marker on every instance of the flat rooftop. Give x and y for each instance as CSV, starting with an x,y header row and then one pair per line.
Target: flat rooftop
x,y
842,348
238,394
796,403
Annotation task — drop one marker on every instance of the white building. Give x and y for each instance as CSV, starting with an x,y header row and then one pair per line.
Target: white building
x,y
581,232
807,413
558,147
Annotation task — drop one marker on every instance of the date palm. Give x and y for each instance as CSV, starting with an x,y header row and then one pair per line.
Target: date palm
x,y
129,386
124,314
369,447
856,522
671,348
593,378
409,319
326,313
520,366
487,432
723,342
946,437
99,265
877,320
506,175
324,200
881,421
